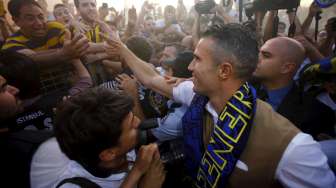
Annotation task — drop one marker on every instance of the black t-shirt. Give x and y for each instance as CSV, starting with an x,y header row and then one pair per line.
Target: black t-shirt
x,y
39,115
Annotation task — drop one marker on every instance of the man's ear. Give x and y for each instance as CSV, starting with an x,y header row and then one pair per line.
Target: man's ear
x,y
108,154
225,70
288,67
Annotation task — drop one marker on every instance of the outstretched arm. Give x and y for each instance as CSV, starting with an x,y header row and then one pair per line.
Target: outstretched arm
x,y
145,73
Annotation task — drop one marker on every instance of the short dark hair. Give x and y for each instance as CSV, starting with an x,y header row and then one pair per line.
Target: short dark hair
x,y
180,64
76,2
176,45
140,47
22,72
14,6
237,44
59,5
89,123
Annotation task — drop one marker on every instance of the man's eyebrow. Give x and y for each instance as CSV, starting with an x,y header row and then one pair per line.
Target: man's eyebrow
x,y
265,52
196,56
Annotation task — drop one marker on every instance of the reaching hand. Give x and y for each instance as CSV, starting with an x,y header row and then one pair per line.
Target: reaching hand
x,y
79,27
305,43
75,47
128,84
114,45
314,9
175,81
132,17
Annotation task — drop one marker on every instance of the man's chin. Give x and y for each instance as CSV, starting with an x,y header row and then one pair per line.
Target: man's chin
x,y
197,90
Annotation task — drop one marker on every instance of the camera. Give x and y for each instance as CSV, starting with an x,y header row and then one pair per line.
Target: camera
x,y
171,152
204,6
144,127
265,5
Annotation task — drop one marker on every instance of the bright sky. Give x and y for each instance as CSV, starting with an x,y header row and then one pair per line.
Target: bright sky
x,y
119,4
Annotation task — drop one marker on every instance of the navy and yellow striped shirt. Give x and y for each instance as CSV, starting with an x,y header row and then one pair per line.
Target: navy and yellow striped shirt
x,y
93,34
53,78
53,40
96,70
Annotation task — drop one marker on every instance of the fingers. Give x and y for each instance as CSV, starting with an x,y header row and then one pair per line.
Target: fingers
x,y
125,82
123,77
112,39
80,45
75,39
145,157
149,151
67,35
134,78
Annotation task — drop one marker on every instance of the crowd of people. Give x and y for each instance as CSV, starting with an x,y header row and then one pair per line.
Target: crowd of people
x,y
165,97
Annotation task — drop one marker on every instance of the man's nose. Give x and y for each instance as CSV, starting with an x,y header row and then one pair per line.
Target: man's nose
x,y
191,66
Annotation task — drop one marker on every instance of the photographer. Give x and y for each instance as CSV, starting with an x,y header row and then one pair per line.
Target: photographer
x,y
97,133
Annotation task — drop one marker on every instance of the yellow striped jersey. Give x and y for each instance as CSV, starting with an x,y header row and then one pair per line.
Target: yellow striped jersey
x,y
53,40
92,34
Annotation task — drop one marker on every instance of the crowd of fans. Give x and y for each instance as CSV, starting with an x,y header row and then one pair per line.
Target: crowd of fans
x,y
165,97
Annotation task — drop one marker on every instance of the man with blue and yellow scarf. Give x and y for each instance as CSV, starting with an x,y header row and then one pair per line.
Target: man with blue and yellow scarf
x,y
231,138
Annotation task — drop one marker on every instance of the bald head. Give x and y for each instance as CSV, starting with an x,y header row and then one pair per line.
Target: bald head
x,y
279,60
289,49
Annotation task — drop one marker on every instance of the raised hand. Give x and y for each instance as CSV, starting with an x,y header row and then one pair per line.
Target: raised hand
x,y
314,9
75,47
132,16
305,43
79,27
113,45
128,84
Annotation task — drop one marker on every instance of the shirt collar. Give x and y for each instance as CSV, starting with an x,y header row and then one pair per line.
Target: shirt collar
x,y
276,96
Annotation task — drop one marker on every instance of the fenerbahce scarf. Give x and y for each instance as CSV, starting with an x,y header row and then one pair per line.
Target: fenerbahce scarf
x,y
212,168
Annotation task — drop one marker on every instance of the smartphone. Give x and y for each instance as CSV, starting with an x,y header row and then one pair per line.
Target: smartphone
x,y
2,8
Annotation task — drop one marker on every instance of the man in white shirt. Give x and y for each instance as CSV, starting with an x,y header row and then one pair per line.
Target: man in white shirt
x,y
225,57
96,133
